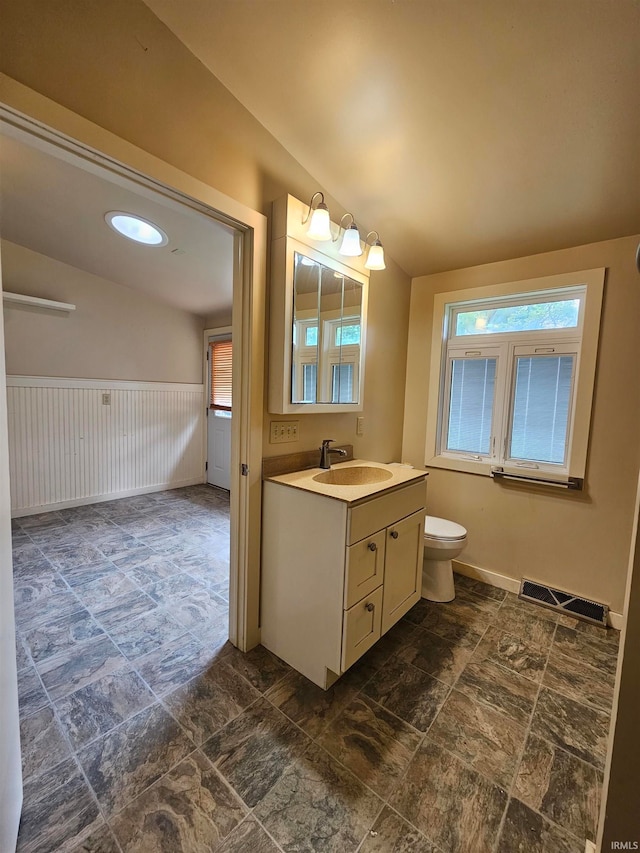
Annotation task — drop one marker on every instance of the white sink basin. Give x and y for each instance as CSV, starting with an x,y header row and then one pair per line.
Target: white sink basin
x,y
357,475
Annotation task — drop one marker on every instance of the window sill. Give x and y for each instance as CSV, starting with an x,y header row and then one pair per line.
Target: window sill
x,y
507,473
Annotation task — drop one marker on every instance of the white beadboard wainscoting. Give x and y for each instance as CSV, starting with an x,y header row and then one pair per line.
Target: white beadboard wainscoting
x,y
68,447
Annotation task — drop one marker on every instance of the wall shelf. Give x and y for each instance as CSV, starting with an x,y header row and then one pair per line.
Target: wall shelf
x,y
37,302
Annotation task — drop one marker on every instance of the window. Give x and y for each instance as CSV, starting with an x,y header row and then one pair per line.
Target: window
x,y
220,362
345,335
512,377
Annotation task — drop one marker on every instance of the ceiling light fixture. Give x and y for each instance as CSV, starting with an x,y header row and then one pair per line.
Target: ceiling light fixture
x,y
350,245
319,219
136,228
375,258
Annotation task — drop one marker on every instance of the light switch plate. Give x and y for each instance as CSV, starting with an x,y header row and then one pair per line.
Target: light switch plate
x,y
360,426
283,432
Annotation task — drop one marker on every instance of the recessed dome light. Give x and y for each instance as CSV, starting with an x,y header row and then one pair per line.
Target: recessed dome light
x,y
135,228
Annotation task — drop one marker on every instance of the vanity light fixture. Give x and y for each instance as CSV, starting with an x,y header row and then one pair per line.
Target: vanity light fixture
x,y
375,258
319,219
350,246
136,228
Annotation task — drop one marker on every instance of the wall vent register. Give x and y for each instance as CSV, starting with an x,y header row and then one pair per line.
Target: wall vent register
x,y
572,605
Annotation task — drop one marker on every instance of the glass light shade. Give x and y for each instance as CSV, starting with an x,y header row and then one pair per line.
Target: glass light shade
x,y
350,245
320,224
375,258
135,228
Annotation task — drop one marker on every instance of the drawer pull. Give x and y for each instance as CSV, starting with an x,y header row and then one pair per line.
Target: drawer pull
x,y
394,534
370,607
372,546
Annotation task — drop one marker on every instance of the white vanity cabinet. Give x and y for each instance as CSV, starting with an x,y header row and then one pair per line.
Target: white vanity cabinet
x,y
336,574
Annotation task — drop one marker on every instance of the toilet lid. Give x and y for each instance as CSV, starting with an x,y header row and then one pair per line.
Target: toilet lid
x,y
440,528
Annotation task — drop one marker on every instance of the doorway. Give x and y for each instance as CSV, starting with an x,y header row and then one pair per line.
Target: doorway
x,y
36,121
152,178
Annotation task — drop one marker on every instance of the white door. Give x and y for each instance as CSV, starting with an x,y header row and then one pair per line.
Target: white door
x,y
219,449
219,358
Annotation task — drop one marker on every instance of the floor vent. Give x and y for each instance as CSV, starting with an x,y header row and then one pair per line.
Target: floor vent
x,y
572,605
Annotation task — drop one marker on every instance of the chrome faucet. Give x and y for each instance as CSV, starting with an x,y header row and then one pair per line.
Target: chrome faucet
x,y
325,450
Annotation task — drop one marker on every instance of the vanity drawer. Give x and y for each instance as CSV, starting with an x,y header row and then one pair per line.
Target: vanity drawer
x,y
369,517
364,568
361,628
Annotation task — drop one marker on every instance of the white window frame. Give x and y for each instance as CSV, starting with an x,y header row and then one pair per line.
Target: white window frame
x,y
582,341
338,355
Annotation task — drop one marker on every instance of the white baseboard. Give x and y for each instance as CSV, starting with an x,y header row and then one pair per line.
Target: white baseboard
x,y
492,578
616,620
113,496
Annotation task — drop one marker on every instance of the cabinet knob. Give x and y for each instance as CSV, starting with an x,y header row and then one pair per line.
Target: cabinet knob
x,y
372,546
370,607
394,534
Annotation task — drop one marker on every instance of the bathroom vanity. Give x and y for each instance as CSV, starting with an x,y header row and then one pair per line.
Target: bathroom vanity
x,y
341,561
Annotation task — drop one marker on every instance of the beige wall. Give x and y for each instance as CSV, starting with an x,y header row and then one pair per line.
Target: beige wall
x,y
578,542
114,333
148,89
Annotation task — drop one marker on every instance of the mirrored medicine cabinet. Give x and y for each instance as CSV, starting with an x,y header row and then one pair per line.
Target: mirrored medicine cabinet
x,y
317,320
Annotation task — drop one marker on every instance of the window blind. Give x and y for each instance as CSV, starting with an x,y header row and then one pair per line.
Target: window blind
x,y
220,362
471,404
541,407
342,383
309,382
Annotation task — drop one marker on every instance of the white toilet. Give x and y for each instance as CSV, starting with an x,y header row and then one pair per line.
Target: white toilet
x,y
443,541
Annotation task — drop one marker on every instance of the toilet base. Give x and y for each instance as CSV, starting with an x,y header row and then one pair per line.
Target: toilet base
x,y
437,580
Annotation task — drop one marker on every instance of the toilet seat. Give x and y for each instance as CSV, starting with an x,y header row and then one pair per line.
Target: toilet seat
x,y
441,528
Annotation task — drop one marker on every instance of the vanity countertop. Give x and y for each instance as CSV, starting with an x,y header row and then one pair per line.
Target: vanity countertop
x,y
401,475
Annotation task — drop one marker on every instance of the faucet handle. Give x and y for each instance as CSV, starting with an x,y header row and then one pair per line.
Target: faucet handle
x,y
327,441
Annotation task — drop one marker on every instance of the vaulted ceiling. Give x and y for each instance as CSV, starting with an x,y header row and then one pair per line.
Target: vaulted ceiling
x,y
57,208
464,131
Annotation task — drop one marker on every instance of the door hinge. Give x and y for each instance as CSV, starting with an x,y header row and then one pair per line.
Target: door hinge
x,y
244,469
206,466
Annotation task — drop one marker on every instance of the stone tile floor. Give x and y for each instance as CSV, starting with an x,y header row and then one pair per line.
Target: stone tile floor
x,y
479,725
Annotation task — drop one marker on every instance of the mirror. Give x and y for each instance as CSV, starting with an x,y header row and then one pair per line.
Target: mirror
x,y
318,319
326,334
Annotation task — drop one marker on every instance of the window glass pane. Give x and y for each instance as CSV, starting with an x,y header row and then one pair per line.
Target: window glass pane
x,y
309,374
559,314
342,383
541,407
346,335
471,404
311,336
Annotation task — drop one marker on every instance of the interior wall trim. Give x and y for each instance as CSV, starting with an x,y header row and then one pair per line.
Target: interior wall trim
x,y
17,381
77,441
98,499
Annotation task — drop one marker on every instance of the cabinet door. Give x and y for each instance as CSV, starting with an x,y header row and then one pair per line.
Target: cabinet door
x,y
361,627
365,568
403,568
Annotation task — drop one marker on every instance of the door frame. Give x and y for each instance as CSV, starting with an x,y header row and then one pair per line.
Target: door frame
x,y
41,122
210,333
